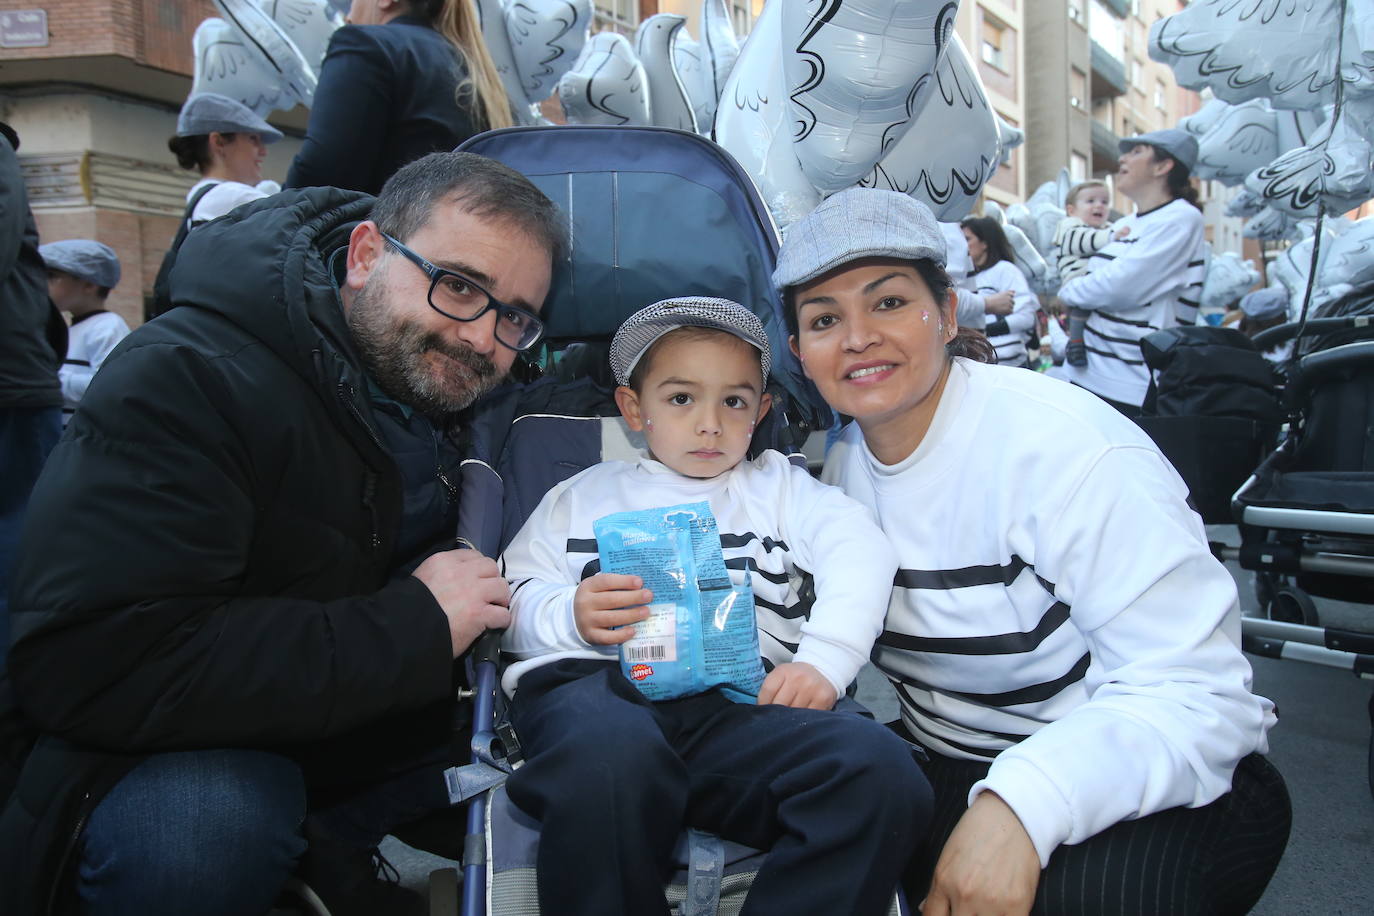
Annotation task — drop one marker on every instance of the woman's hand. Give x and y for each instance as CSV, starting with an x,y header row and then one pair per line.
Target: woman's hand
x,y
999,303
606,604
989,866
799,685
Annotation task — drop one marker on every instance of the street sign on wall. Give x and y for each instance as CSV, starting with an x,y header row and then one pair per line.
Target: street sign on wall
x,y
23,28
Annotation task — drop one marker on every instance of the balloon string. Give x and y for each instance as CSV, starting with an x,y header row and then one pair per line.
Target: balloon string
x,y
1321,200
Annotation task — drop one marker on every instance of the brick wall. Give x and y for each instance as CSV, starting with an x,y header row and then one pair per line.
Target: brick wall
x,y
155,33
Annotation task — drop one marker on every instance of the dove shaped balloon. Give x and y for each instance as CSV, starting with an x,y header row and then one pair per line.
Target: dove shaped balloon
x,y
950,150
1348,265
491,14
858,72
308,23
546,37
1009,138
606,85
1244,138
1227,279
1245,203
691,70
753,124
720,48
1205,118
227,64
1336,166
1282,50
669,105
284,61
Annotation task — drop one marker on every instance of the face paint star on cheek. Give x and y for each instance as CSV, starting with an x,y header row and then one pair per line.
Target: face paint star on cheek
x,y
925,317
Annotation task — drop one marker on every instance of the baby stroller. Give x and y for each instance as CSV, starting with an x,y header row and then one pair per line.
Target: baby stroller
x,y
1306,513
654,213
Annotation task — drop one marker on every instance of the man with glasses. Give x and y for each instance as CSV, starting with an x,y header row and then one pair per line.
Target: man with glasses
x,y
238,612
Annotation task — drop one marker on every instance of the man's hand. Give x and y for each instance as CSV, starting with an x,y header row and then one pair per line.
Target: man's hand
x,y
470,591
799,685
606,601
999,303
989,865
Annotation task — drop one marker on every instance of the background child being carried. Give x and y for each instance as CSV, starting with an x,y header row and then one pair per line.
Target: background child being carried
x,y
1085,232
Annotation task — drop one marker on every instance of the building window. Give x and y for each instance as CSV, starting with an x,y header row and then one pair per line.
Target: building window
x,y
1107,30
1135,8
1138,74
1078,167
1078,88
616,15
1160,95
995,44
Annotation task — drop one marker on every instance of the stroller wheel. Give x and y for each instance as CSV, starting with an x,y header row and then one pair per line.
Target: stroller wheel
x,y
1291,604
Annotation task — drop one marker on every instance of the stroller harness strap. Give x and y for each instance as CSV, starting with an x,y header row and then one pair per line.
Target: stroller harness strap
x,y
705,869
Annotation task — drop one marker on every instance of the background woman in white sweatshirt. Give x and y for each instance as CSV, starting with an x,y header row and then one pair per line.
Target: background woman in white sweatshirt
x,y
994,271
1061,640
1147,281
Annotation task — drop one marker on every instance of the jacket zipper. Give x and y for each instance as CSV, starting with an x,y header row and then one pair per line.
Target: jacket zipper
x,y
72,840
450,490
347,393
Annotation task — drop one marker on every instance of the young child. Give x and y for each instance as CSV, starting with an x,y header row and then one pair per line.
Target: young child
x,y
81,273
1083,233
614,777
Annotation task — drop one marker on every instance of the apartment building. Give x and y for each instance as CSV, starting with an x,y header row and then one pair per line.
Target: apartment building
x,y
994,31
1092,82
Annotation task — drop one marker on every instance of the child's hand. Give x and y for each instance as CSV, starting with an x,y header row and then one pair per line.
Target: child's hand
x,y
799,685
608,600
1122,233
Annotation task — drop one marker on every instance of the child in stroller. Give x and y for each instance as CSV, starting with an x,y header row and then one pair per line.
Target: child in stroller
x,y
613,777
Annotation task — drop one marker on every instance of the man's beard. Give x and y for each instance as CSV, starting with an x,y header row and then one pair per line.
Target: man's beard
x,y
400,357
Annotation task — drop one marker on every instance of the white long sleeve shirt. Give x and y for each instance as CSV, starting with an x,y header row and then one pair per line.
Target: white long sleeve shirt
x,y
89,341
1007,333
1066,622
1146,282
225,196
820,569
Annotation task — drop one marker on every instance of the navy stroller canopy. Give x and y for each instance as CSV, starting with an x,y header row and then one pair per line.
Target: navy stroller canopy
x,y
654,213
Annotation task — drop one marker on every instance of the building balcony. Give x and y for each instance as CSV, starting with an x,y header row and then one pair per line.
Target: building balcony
x,y
1119,7
1109,73
1104,148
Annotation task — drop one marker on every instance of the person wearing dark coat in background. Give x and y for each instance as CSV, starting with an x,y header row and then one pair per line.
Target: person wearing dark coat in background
x,y
238,605
401,80
33,343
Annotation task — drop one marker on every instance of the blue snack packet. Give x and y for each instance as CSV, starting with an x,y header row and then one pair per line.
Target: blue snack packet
x,y
701,633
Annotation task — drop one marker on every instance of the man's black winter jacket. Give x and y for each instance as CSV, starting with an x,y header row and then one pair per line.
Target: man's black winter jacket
x,y
207,557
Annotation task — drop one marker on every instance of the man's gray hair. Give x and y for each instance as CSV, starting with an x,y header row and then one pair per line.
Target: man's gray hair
x,y
481,186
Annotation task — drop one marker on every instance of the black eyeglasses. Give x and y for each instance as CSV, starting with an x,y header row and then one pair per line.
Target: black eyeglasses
x,y
455,296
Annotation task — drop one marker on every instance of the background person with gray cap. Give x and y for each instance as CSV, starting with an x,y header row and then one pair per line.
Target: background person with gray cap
x,y
1147,281
81,273
227,143
614,777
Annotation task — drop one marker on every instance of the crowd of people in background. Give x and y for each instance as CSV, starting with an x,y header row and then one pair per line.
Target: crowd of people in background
x,y
409,78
